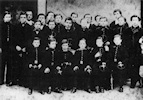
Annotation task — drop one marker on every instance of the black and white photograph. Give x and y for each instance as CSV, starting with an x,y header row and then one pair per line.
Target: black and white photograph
x,y
71,50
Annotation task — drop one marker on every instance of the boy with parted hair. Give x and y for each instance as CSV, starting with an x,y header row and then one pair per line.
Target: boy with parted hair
x,y
133,34
52,69
101,70
66,57
35,64
8,50
82,66
119,61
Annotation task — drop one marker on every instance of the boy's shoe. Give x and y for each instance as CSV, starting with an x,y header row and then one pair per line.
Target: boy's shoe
x,y
73,90
102,90
121,89
57,90
30,91
88,90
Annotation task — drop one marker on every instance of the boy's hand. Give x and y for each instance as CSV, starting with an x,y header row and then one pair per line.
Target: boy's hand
x,y
39,66
30,65
106,48
24,49
47,70
87,68
20,54
58,68
34,66
59,72
98,54
18,48
75,68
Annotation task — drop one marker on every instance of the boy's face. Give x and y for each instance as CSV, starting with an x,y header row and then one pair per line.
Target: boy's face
x,y
65,46
68,23
29,15
52,44
117,40
88,17
22,18
103,22
36,43
50,16
84,23
121,21
97,19
74,17
58,19
82,44
42,19
99,42
51,25
117,14
7,18
135,22
37,25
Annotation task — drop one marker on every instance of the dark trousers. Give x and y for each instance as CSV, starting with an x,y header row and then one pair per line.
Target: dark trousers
x,y
87,80
46,80
7,61
134,75
104,80
57,80
94,80
75,79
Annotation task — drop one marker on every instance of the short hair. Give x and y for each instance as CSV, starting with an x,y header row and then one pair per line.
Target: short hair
x,y
123,18
37,21
82,39
86,15
65,41
69,18
104,18
74,13
48,13
36,38
23,13
117,35
59,15
9,13
96,17
82,19
41,14
135,16
117,10
99,38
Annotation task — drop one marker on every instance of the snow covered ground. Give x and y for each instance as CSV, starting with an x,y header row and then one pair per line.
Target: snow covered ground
x,y
20,93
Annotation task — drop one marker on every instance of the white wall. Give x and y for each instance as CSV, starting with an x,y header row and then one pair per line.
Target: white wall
x,y
94,7
41,6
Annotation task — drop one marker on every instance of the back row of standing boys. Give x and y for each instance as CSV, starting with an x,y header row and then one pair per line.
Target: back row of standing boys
x,y
50,56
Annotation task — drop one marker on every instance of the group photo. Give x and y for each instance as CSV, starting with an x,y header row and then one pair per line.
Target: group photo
x,y
54,50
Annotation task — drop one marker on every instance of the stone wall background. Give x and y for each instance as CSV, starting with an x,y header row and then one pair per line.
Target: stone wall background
x,y
94,7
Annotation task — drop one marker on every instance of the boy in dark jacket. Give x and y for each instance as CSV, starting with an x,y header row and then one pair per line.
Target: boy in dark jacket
x,y
82,66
